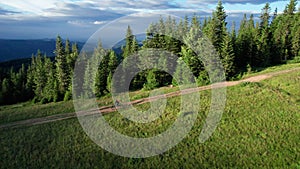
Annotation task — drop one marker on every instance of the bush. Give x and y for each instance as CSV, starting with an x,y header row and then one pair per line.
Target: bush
x,y
295,60
151,81
203,79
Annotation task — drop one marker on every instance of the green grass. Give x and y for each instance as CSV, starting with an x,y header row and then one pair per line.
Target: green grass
x,y
272,69
28,110
259,129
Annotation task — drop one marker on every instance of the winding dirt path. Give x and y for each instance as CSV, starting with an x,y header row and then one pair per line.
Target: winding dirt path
x,y
109,109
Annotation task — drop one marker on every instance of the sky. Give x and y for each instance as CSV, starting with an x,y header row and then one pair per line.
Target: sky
x,y
81,19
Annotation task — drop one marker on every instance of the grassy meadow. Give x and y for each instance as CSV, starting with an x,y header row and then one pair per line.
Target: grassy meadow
x,y
260,128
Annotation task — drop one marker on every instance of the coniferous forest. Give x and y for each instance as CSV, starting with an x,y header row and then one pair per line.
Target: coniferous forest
x,y
274,39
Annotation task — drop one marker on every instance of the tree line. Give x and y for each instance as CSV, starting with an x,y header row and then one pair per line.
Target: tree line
x,y
275,39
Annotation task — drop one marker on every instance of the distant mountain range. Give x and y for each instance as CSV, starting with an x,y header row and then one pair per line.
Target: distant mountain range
x,y
15,50
20,49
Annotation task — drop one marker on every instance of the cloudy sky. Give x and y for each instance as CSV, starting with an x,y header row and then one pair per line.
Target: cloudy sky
x,y
80,19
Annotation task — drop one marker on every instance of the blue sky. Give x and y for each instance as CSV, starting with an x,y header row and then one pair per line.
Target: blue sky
x,y
79,19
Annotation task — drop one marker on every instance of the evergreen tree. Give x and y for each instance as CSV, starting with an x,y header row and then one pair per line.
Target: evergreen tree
x,y
189,57
88,82
62,68
295,35
265,40
72,57
127,50
265,17
50,92
228,56
113,62
112,66
134,45
102,72
67,48
151,82
40,77
217,26
291,7
182,74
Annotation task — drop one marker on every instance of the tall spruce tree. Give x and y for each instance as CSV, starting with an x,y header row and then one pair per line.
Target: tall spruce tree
x,y
62,69
217,26
291,7
112,65
265,40
127,50
228,56
296,35
102,71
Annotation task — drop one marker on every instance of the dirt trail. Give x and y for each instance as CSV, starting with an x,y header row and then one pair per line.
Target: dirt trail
x,y
109,109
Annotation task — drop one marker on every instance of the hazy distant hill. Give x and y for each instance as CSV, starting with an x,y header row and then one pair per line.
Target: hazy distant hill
x,y
11,50
19,49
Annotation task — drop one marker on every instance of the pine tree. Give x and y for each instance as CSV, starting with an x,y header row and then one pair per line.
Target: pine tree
x,y
265,39
62,69
182,75
134,45
29,86
67,48
189,57
295,35
291,7
50,92
72,57
102,72
112,65
228,56
217,26
128,46
265,17
88,82
113,62
40,77
151,82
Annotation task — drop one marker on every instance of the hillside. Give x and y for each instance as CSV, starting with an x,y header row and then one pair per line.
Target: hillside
x,y
259,128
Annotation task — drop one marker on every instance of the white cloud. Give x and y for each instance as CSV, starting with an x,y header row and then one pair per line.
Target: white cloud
x,y
74,17
30,6
99,22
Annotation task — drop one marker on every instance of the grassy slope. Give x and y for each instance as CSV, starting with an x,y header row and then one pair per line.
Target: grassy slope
x,y
27,110
260,127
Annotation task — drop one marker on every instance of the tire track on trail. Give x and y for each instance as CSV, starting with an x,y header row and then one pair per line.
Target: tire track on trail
x,y
109,109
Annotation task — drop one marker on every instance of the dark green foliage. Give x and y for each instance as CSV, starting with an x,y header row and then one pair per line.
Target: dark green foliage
x,y
216,27
112,65
190,58
183,75
228,56
102,72
265,17
129,46
296,35
285,31
151,82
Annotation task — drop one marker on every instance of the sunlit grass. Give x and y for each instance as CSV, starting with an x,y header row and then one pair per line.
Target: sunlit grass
x,y
259,129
